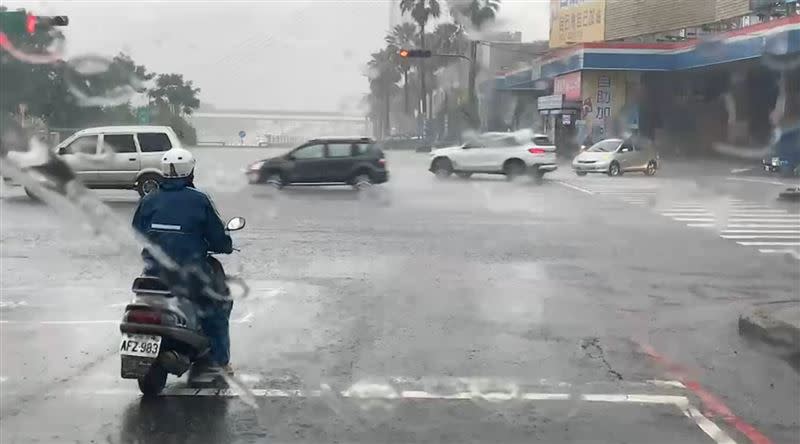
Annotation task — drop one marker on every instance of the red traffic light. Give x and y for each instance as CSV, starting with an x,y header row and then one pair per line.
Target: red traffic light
x,y
415,53
30,23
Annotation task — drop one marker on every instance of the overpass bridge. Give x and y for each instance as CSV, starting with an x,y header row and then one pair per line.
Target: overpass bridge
x,y
224,125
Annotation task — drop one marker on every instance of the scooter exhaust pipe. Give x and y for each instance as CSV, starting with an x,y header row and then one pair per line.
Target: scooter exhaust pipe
x,y
174,362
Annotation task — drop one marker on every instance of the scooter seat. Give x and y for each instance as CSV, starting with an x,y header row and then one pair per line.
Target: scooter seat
x,y
150,285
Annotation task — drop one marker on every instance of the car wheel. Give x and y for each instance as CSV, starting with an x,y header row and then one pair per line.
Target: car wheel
x,y
581,173
513,169
614,169
154,381
464,174
275,180
650,169
31,195
361,181
147,184
442,168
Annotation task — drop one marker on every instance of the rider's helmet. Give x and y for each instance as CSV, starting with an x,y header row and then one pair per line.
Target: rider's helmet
x,y
177,163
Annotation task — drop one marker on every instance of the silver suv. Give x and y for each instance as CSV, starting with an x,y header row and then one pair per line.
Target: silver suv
x,y
118,157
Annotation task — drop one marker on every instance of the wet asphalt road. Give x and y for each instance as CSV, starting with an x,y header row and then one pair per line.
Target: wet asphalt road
x,y
578,310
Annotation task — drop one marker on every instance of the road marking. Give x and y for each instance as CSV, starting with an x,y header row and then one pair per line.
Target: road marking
x,y
710,402
244,319
760,211
643,399
763,226
794,253
702,225
740,170
671,214
758,236
3,379
763,231
693,219
766,244
706,425
574,187
749,179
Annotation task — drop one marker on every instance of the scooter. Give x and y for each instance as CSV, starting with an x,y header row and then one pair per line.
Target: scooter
x,y
161,331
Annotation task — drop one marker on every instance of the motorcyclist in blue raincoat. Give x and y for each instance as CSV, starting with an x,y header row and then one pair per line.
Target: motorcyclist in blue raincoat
x,y
183,222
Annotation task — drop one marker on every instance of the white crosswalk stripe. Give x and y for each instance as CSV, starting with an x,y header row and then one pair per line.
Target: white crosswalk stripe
x,y
772,231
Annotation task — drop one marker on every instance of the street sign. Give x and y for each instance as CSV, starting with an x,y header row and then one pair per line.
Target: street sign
x,y
242,134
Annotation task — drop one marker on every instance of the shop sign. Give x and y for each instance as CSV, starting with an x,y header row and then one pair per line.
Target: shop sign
x,y
550,102
576,21
569,85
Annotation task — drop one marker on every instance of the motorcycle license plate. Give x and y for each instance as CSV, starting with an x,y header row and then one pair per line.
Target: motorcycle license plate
x,y
146,346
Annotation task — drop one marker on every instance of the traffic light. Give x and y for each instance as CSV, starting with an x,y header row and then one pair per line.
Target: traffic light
x,y
21,22
415,53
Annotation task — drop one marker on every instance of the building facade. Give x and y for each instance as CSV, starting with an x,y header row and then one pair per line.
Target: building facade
x,y
684,73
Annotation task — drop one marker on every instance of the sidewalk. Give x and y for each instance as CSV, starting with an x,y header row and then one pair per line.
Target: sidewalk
x,y
776,324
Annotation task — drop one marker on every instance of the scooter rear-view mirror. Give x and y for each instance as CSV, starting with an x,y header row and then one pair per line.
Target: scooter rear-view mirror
x,y
237,223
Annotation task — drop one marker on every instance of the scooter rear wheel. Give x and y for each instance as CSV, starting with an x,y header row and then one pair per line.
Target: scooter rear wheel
x,y
154,381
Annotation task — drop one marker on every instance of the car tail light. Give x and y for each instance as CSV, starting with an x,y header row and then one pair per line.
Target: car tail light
x,y
382,162
536,151
144,317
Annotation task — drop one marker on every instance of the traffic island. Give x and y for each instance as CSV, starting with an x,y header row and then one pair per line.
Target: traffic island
x,y
778,325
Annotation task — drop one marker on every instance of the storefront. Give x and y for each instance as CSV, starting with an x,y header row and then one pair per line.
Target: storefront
x,y
655,89
559,116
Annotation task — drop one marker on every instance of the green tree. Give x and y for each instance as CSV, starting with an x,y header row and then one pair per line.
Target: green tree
x,y
403,36
179,95
478,13
383,78
421,11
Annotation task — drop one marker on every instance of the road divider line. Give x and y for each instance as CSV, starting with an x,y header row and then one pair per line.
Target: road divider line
x,y
574,187
758,236
769,244
763,231
755,180
793,253
709,427
711,403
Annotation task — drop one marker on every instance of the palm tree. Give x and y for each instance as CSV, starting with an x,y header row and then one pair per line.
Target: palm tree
x,y
403,35
421,11
383,78
478,13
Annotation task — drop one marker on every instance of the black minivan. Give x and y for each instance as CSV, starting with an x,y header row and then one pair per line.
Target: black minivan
x,y
337,160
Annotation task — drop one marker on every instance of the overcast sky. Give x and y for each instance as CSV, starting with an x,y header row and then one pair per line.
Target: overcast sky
x,y
269,54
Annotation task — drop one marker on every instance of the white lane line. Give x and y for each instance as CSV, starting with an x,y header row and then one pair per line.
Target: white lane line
x,y
749,219
706,425
633,398
701,225
759,211
758,236
740,170
762,231
671,214
770,244
763,226
3,379
754,180
693,219
794,253
574,187
244,319
643,399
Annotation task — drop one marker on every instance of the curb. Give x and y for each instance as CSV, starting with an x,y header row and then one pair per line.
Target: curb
x,y
763,327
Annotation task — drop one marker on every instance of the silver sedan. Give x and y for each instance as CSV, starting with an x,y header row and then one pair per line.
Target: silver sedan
x,y
614,157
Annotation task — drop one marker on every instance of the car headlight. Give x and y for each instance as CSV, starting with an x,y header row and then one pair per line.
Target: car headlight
x,y
256,166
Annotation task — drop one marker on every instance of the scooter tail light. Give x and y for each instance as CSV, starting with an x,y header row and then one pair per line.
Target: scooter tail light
x,y
144,317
